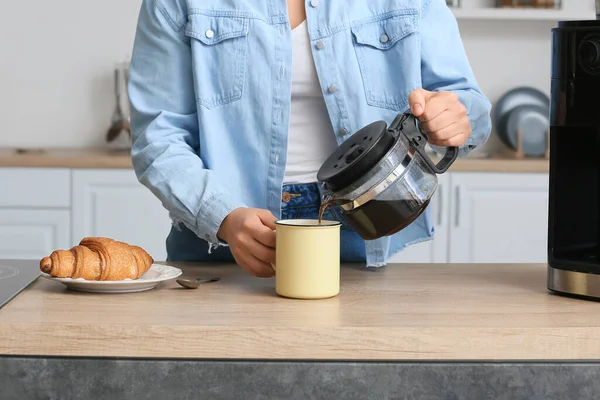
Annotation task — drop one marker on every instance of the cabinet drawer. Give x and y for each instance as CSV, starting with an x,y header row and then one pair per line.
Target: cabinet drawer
x,y
33,234
35,187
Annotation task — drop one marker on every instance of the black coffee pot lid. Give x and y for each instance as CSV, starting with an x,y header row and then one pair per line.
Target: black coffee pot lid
x,y
356,156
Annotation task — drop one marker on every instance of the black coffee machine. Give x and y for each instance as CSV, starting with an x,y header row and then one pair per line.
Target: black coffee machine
x,y
574,207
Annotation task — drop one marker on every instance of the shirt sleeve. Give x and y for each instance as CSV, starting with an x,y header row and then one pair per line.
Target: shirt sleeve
x,y
445,67
164,124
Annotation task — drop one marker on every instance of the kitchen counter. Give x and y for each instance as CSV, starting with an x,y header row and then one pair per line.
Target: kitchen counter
x,y
405,312
431,329
65,158
106,158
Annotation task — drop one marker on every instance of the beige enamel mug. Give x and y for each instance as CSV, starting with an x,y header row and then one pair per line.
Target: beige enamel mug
x,y
307,264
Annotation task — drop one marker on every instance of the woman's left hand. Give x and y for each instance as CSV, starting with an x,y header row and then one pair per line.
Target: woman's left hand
x,y
441,116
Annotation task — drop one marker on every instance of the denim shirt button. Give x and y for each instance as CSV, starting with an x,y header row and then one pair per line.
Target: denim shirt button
x,y
314,3
343,132
320,44
209,34
384,38
332,89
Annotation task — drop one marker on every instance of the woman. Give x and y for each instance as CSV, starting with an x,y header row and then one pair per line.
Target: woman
x,y
236,104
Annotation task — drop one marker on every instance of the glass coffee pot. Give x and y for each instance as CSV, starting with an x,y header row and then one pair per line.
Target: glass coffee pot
x,y
381,178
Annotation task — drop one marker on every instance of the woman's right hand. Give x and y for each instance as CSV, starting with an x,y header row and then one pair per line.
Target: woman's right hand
x,y
250,234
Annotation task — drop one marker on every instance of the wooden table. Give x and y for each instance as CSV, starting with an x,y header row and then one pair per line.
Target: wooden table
x,y
438,318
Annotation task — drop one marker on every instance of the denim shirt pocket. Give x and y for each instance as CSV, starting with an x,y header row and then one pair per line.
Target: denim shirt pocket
x,y
219,44
389,46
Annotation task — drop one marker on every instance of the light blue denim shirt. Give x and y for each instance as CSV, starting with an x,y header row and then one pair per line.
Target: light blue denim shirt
x,y
210,87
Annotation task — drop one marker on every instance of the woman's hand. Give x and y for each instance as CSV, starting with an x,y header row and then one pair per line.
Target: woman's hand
x,y
249,232
441,116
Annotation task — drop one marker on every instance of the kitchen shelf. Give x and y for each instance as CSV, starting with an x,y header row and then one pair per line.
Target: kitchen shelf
x,y
522,14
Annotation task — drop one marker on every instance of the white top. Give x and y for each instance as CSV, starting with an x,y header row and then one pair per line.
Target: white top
x,y
311,138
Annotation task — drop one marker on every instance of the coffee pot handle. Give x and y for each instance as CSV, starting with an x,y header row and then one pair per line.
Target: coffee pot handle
x,y
407,124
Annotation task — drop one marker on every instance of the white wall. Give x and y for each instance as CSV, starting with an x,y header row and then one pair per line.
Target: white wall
x,y
57,61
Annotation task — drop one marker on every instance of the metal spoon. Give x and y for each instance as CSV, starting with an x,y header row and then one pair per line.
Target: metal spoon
x,y
186,283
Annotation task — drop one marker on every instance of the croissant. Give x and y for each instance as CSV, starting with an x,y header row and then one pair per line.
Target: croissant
x,y
99,259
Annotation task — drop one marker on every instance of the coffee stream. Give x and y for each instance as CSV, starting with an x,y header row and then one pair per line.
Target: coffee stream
x,y
323,208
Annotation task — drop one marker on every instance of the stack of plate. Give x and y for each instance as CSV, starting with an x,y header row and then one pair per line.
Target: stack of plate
x,y
527,110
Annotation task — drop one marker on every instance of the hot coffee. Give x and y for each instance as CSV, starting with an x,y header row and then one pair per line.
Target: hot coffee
x,y
379,218
323,208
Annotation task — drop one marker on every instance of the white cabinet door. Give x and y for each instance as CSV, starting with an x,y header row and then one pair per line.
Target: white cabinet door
x,y
112,203
499,217
33,234
436,250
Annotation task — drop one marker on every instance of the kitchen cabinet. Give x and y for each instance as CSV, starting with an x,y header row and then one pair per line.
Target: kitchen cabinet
x,y
479,217
40,188
114,204
498,217
33,234
432,251
34,211
486,218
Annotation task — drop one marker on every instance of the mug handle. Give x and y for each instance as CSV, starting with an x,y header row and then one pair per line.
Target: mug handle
x,y
272,264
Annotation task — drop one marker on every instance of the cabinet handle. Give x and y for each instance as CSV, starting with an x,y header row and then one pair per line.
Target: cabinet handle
x,y
440,204
457,210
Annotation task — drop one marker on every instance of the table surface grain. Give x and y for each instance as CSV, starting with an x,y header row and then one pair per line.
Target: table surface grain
x,y
401,312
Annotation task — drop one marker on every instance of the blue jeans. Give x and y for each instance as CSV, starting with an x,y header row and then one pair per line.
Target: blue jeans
x,y
298,202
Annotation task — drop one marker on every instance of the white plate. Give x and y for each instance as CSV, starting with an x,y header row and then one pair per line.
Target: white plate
x,y
153,277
